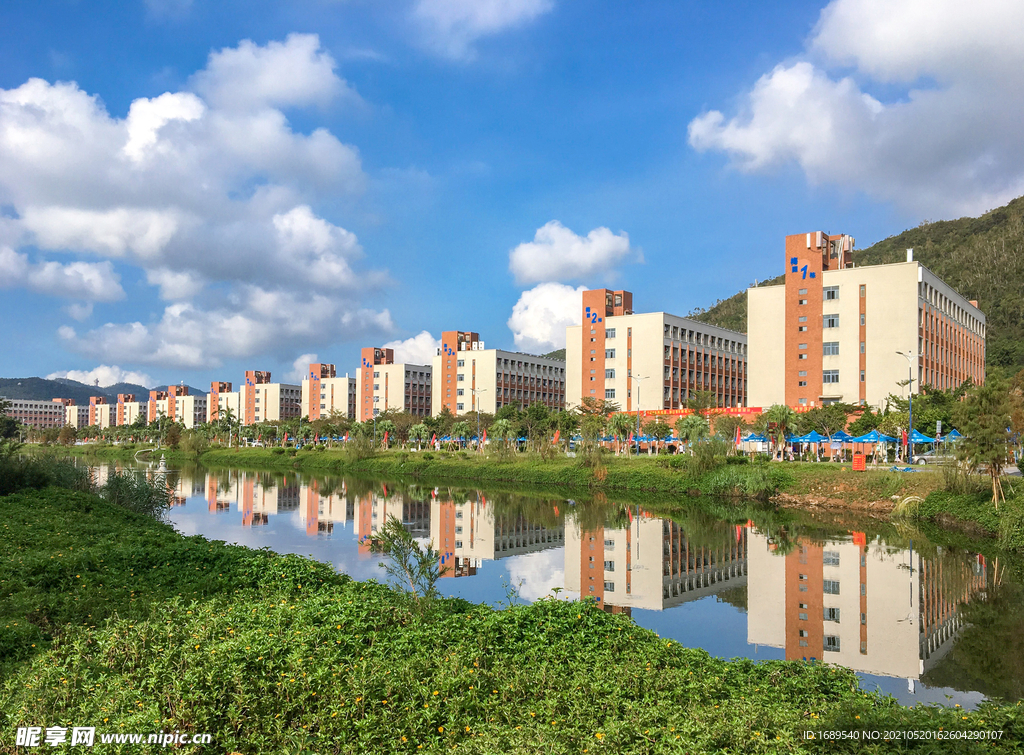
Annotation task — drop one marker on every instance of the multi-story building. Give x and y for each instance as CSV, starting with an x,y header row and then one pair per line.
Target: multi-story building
x,y
651,361
263,401
469,377
38,414
651,563
324,394
220,399
842,325
866,606
179,405
382,385
77,416
128,409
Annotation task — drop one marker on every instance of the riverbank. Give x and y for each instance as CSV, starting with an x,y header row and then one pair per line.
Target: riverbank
x,y
115,620
798,484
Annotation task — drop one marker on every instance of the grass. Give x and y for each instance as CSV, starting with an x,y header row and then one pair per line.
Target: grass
x,y
112,619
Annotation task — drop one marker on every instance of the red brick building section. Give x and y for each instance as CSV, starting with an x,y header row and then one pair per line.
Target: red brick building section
x,y
369,357
252,379
317,372
217,388
599,304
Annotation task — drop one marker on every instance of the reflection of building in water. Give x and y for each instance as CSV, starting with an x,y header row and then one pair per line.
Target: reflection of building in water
x,y
468,533
373,509
651,564
321,511
891,613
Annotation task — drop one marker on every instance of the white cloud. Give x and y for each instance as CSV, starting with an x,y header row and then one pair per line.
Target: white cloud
x,y
451,27
300,368
948,144
420,349
106,375
542,314
203,189
537,574
253,321
80,311
91,281
175,285
558,254
292,73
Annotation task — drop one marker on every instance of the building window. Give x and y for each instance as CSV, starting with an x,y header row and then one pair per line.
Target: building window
x,y
802,384
803,402
461,378
830,348
862,376
830,586
459,407
609,566
609,393
862,319
376,374
802,328
862,347
802,301
863,291
831,643
609,373
609,587
609,333
830,321
460,391
830,292
830,376
801,345
802,291
609,353
802,373
801,356
830,558
801,319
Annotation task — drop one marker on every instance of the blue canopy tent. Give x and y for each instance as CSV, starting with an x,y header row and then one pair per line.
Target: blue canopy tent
x,y
918,437
812,437
754,438
841,436
873,437
953,435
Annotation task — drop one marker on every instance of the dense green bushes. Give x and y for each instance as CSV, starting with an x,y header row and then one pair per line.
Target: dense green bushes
x,y
19,473
137,628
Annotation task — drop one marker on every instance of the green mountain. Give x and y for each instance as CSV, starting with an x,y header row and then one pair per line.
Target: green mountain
x,y
982,258
41,389
556,354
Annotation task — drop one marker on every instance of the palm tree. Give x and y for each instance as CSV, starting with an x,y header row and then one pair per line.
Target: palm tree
x,y
621,424
419,433
779,421
504,429
693,428
460,431
386,427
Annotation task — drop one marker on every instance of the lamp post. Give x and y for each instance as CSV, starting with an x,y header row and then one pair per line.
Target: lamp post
x,y
375,410
476,398
638,378
910,405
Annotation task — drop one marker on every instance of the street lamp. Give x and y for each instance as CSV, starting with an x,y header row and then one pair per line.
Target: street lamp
x,y
476,397
375,410
638,378
910,410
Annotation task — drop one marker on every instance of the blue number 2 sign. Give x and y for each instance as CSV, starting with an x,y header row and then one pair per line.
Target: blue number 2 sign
x,y
796,268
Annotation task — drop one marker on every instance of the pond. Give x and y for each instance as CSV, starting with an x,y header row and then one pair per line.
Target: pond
x,y
918,619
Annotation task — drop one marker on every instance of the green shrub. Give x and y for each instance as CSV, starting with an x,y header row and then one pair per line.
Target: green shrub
x,y
737,460
136,492
278,451
427,456
1011,526
20,473
292,451
462,455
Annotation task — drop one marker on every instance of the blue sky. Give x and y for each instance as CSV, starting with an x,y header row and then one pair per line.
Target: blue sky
x,y
192,189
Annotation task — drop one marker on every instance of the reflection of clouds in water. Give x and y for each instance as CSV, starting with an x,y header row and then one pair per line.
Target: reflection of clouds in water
x,y
539,573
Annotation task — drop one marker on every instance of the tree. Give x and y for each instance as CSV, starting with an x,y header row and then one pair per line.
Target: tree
x,y
503,430
725,426
621,425
658,430
419,434
412,565
592,428
386,428
461,431
598,406
702,403
535,421
67,435
984,419
779,421
693,428
826,420
566,423
8,425
865,423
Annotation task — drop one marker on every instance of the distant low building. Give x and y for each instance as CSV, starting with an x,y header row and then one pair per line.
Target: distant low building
x,y
41,415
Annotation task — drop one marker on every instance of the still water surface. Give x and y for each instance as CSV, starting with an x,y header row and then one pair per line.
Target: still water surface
x,y
885,605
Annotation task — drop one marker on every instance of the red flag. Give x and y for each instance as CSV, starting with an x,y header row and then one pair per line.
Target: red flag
x,y
483,438
557,432
385,437
630,439
737,435
316,438
346,437
904,437
285,437
433,439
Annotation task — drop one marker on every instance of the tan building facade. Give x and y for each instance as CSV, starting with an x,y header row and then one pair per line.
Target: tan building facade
x,y
831,333
325,394
263,401
383,385
469,377
650,361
